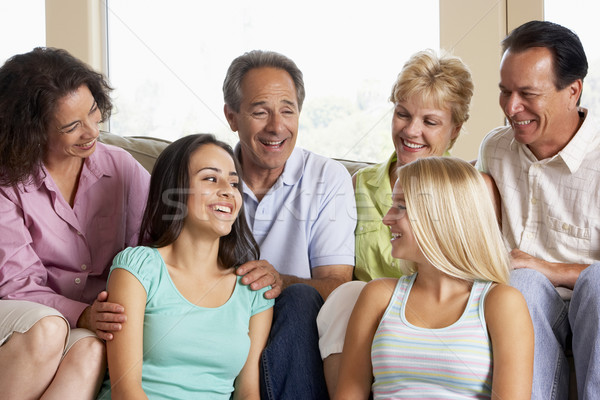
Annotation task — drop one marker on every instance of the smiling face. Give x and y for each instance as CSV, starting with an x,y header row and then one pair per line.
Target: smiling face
x,y
74,129
214,200
540,114
420,130
404,244
267,122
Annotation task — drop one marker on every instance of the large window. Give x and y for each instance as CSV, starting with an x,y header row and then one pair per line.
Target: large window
x,y
167,62
581,17
22,27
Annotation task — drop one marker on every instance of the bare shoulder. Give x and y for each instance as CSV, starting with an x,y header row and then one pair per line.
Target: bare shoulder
x,y
378,292
505,302
500,293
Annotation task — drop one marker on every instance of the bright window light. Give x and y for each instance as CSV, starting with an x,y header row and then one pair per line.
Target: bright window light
x,y
22,27
167,62
581,16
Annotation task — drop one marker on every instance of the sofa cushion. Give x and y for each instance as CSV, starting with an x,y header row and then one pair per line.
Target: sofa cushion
x,y
144,149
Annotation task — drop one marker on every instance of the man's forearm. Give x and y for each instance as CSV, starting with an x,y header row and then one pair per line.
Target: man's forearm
x,y
569,274
323,285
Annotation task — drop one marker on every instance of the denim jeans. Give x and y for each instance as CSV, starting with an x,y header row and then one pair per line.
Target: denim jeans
x,y
553,319
291,366
584,316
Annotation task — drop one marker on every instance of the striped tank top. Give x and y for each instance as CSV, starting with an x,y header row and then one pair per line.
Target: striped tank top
x,y
411,362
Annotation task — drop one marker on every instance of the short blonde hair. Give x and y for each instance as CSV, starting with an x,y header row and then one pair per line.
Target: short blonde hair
x,y
441,80
453,220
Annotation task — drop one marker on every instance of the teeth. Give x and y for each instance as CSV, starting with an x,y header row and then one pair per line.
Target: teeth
x,y
272,143
413,145
222,209
88,144
522,122
396,235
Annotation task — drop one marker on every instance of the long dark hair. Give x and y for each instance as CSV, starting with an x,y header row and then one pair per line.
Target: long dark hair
x,y
166,207
31,85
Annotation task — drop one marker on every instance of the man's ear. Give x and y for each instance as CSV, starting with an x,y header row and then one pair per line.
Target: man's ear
x,y
575,90
231,117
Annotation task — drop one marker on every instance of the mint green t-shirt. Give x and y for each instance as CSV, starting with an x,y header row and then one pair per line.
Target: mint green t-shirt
x,y
190,352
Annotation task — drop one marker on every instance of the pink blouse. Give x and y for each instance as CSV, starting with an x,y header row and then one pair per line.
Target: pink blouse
x,y
60,256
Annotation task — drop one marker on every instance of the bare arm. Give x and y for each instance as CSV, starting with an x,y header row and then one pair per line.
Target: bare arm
x,y
125,351
511,333
560,274
325,279
247,385
356,372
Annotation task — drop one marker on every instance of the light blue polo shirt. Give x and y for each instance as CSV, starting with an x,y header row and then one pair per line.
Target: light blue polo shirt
x,y
307,218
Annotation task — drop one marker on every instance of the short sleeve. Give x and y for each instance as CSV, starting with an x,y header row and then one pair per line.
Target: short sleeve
x,y
332,234
259,302
142,262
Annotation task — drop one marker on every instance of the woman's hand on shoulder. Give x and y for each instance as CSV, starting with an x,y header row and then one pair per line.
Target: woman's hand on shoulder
x,y
511,332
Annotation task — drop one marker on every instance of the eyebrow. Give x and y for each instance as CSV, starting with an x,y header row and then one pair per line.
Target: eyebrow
x,y
62,128
232,173
262,103
521,88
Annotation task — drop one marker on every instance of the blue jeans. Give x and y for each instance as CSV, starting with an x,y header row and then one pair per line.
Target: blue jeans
x,y
291,366
553,319
584,316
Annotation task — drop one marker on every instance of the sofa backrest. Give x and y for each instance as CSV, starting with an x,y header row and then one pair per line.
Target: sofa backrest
x,y
146,149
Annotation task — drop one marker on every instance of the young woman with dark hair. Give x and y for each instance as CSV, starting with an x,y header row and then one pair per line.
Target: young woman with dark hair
x,y
198,330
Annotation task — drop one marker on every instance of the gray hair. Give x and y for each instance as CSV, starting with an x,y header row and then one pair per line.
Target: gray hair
x,y
232,86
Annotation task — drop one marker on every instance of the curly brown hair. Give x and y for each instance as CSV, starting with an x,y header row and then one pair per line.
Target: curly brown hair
x,y
31,85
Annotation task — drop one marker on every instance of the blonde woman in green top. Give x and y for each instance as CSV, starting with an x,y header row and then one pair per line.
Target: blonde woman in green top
x,y
431,98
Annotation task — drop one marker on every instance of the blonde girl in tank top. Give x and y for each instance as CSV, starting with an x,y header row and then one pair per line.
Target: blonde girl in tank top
x,y
452,327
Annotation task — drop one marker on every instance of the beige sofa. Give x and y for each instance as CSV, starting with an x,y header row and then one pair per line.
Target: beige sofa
x,y
146,149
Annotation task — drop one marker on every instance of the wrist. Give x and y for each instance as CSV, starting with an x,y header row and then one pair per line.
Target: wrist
x,y
84,318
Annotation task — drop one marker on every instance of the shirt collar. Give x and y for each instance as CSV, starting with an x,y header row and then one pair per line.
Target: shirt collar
x,y
574,152
292,171
382,176
95,165
584,140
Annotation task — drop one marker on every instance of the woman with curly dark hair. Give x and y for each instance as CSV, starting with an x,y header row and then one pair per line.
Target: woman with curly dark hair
x,y
68,204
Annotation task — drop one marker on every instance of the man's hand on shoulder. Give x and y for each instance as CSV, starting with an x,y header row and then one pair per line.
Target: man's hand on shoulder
x,y
260,273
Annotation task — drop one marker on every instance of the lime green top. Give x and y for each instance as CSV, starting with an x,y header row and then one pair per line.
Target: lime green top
x,y
373,194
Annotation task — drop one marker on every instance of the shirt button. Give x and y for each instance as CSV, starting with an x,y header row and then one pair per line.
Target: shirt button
x,y
565,226
83,267
77,281
529,236
362,228
79,233
533,201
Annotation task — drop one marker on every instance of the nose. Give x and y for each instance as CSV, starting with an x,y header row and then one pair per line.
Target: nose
x,y
413,127
275,123
513,105
92,127
389,218
225,189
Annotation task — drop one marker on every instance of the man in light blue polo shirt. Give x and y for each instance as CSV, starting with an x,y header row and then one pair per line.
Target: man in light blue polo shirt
x,y
300,207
